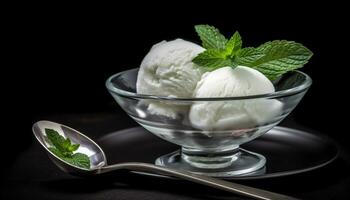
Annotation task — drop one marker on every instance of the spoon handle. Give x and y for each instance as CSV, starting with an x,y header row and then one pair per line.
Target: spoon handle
x,y
204,180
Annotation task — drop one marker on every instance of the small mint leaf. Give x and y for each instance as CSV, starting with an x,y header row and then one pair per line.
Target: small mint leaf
x,y
211,37
58,141
234,44
212,59
79,159
66,144
56,152
73,147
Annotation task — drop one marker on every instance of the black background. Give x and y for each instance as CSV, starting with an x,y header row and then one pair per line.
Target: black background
x,y
60,55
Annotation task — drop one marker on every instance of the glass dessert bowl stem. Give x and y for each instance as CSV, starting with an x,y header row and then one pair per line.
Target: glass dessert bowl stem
x,y
231,161
210,159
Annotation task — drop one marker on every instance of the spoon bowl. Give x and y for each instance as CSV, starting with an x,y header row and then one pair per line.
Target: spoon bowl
x,y
87,146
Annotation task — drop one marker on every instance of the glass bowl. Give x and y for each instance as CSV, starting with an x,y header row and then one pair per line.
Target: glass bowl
x,y
210,130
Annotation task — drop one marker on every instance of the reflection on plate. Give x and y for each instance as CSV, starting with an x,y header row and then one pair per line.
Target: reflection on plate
x,y
287,151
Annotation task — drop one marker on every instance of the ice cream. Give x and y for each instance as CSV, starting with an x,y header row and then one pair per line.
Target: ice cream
x,y
229,82
168,70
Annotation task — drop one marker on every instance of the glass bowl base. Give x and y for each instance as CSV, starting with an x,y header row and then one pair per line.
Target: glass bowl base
x,y
244,163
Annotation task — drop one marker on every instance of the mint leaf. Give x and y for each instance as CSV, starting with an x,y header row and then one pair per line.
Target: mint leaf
x,y
248,55
212,59
234,44
78,159
63,148
280,56
56,152
220,52
211,37
57,140
73,147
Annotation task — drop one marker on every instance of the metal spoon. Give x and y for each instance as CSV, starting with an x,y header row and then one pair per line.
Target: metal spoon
x,y
99,165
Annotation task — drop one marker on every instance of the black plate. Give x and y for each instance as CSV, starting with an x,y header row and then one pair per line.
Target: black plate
x,y
288,151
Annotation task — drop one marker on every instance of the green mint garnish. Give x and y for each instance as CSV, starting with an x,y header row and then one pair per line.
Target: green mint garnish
x,y
211,37
273,59
279,57
213,59
63,148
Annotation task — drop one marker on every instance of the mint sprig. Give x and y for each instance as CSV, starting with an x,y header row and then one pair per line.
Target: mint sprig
x,y
63,148
273,59
217,56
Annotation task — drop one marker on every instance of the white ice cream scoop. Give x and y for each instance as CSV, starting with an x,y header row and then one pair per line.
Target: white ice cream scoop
x,y
168,70
234,114
229,82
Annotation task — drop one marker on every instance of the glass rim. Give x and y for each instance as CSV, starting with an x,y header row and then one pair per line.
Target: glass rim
x,y
282,93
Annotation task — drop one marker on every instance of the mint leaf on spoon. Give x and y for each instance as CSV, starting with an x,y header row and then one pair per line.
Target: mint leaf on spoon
x,y
79,159
64,149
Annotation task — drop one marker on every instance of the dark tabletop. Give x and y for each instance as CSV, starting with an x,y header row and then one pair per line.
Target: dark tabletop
x,y
33,176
